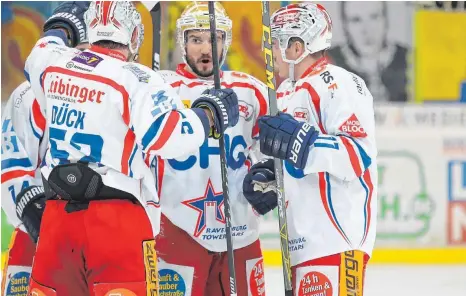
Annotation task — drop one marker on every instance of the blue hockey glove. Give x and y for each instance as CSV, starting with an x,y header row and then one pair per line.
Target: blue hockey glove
x,y
70,16
223,104
284,137
259,186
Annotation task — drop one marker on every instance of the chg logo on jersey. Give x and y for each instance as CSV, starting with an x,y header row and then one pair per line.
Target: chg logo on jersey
x,y
353,127
17,281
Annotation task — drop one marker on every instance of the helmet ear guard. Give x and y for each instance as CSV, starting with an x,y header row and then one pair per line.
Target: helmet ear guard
x,y
196,17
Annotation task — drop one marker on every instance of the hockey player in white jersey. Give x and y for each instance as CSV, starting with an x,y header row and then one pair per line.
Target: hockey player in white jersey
x,y
325,135
192,243
23,126
102,112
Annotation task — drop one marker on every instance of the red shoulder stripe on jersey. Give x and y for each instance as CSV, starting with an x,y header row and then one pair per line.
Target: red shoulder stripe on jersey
x,y
39,118
130,140
315,100
118,87
16,174
367,207
352,156
262,102
167,130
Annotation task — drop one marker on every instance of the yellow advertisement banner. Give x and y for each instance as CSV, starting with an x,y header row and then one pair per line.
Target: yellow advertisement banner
x,y
440,55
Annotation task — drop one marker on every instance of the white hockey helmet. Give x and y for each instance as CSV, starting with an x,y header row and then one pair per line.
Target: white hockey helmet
x,y
196,17
307,21
116,21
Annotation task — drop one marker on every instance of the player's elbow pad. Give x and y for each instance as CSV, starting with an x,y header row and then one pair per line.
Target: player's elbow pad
x,y
30,206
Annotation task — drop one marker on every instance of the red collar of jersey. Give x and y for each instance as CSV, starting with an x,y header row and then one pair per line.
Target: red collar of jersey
x,y
316,67
113,53
181,69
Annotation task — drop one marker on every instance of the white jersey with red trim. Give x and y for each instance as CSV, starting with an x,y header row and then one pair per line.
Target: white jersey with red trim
x,y
23,124
332,203
107,112
191,187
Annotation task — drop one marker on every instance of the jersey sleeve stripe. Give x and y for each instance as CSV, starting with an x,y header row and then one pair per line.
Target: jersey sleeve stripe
x,y
315,101
118,87
366,159
129,142
26,74
131,160
326,197
366,183
167,130
16,174
152,131
36,133
16,162
39,118
352,156
160,172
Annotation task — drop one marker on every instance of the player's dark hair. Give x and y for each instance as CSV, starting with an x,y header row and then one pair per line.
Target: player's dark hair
x,y
110,44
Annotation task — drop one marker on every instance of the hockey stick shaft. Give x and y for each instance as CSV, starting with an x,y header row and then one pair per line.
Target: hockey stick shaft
x,y
223,162
156,15
271,85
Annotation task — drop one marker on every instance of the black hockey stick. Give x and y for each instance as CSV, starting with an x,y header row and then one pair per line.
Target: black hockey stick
x,y
223,161
156,14
271,85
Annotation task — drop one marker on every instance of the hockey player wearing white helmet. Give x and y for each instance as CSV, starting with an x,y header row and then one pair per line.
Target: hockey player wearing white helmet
x,y
191,187
325,135
102,113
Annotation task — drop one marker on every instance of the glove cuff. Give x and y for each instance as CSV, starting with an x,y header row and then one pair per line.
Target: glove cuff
x,y
26,196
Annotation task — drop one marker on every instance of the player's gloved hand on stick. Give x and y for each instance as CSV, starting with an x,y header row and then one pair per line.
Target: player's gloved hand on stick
x,y
223,105
30,206
259,186
69,16
284,137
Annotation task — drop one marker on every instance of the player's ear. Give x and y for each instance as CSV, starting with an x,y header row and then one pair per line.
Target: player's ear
x,y
299,47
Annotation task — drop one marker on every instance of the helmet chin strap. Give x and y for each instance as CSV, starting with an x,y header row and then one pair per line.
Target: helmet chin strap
x,y
291,73
292,63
